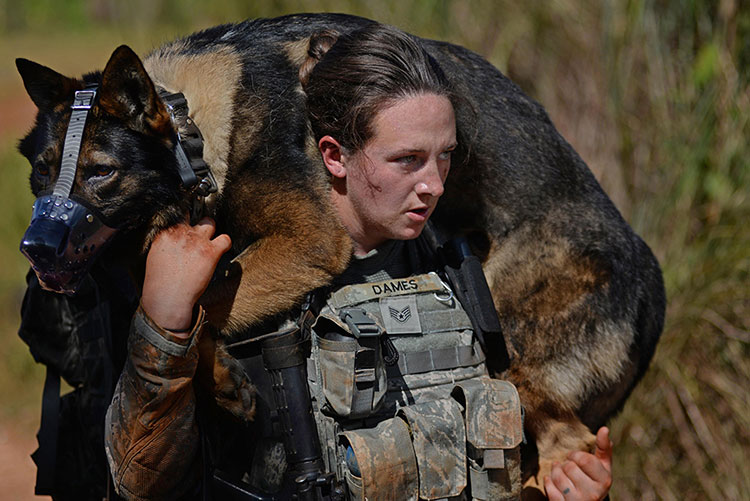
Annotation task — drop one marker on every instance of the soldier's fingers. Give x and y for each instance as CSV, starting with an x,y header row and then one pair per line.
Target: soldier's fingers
x,y
563,483
222,243
553,493
604,447
597,466
576,475
588,475
590,464
206,227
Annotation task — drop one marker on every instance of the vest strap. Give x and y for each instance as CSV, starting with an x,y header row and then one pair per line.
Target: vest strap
x,y
365,375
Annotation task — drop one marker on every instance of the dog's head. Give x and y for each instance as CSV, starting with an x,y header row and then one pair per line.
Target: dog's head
x,y
124,180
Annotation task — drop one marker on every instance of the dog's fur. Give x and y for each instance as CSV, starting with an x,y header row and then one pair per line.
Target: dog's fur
x,y
579,295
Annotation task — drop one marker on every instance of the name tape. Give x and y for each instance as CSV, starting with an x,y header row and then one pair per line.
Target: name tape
x,y
360,293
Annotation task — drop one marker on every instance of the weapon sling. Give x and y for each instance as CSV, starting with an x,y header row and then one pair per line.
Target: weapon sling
x,y
465,273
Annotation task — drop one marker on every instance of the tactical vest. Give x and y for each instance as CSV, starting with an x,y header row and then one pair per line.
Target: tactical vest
x,y
402,400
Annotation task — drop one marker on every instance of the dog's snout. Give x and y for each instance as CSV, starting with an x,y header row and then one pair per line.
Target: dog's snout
x,y
62,242
44,241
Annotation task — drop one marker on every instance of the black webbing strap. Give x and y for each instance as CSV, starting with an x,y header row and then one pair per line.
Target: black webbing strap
x,y
45,456
465,273
436,359
286,355
193,170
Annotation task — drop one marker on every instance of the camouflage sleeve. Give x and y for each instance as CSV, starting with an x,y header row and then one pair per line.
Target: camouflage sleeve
x,y
151,439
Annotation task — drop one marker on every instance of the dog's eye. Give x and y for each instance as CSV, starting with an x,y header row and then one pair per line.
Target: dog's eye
x,y
104,170
41,169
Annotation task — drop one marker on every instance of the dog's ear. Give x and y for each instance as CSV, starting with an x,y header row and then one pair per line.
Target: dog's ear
x,y
128,93
45,86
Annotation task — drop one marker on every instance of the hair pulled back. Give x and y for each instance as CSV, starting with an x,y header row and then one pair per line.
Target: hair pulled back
x,y
349,78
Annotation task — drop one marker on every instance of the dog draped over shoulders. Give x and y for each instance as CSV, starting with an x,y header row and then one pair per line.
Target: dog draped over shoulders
x,y
579,295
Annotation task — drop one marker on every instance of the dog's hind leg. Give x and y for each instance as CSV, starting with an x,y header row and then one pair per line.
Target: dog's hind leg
x,y
555,438
568,343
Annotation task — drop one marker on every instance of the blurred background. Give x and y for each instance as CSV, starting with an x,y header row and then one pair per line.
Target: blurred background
x,y
653,94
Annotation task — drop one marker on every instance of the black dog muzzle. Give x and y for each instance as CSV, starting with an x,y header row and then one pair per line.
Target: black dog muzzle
x,y
64,236
62,241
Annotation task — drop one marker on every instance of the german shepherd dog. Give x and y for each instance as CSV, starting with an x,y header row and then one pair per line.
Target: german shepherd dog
x,y
579,295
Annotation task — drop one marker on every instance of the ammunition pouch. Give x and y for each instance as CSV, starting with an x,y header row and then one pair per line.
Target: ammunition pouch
x,y
352,368
386,460
434,450
494,432
439,440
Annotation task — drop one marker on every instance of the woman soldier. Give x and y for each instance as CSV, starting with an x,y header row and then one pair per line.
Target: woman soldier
x,y
382,115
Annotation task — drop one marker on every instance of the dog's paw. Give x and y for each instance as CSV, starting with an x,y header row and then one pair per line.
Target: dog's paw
x,y
559,439
222,376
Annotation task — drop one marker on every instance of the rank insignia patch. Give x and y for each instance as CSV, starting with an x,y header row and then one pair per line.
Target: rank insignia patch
x,y
400,315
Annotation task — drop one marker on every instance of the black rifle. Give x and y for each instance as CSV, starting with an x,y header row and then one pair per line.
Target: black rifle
x,y
284,357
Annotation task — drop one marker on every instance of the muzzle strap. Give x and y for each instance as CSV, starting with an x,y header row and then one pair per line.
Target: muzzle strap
x,y
82,103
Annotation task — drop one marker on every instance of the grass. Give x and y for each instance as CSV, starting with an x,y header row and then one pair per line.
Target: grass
x,y
20,377
654,95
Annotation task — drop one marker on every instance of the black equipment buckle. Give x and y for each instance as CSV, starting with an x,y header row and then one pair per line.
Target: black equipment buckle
x,y
359,323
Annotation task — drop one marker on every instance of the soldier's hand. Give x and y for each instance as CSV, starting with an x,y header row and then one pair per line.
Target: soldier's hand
x,y
583,476
179,266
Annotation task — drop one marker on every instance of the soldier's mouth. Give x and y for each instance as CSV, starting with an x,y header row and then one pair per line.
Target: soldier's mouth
x,y
419,214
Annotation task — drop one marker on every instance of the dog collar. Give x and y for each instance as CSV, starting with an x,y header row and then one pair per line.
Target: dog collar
x,y
194,171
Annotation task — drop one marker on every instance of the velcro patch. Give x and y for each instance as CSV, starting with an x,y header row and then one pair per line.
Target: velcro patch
x,y
400,315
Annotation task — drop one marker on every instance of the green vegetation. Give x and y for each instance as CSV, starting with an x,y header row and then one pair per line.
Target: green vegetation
x,y
16,364
655,97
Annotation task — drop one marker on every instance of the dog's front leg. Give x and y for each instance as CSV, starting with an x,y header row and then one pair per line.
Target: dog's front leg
x,y
221,376
273,275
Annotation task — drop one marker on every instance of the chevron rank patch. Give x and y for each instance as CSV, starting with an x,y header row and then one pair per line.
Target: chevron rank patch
x,y
400,315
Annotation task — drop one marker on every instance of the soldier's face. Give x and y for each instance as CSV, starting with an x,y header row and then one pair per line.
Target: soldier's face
x,y
395,181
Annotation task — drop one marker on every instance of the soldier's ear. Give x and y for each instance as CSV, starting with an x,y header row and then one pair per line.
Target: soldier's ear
x,y
128,93
45,86
333,156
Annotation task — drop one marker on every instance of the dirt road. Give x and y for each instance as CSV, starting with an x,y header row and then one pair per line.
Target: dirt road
x,y
17,470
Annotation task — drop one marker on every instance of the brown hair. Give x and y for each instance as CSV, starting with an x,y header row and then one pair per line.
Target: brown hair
x,y
349,78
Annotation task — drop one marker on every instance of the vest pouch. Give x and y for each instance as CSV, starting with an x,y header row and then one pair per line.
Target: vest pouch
x,y
353,376
439,439
387,466
494,432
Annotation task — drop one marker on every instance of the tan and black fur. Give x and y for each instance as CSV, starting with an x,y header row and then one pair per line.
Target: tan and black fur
x,y
579,295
